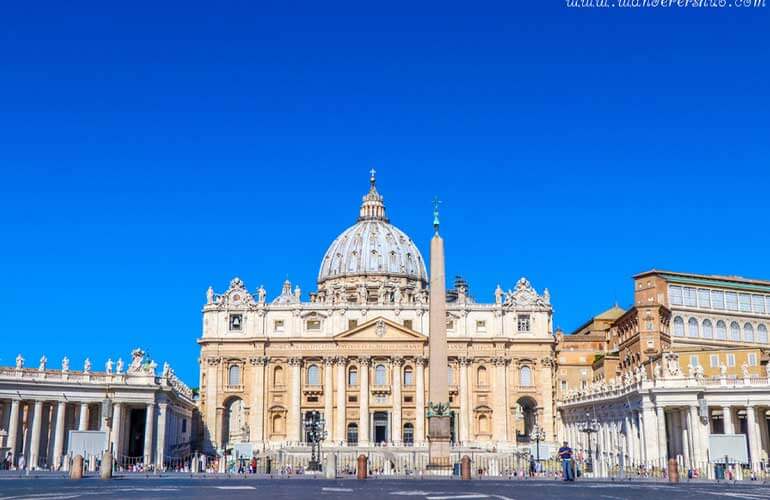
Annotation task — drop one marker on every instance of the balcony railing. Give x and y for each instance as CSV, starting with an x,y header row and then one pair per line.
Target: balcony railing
x,y
234,388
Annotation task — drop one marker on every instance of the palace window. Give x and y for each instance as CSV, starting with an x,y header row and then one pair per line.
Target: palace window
x,y
313,325
717,299
730,359
408,434
380,375
762,333
564,386
353,376
708,330
748,332
236,322
450,375
352,434
352,323
525,376
408,323
313,375
278,376
714,361
721,330
523,323
758,304
481,376
745,301
689,297
483,424
694,360
408,375
731,301
735,331
752,359
678,327
481,326
692,327
703,298
278,326
675,295
234,375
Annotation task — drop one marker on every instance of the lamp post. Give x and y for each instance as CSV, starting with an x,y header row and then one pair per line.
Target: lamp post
x,y
315,428
589,427
537,435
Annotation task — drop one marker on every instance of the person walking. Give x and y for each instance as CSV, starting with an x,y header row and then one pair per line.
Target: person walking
x,y
565,454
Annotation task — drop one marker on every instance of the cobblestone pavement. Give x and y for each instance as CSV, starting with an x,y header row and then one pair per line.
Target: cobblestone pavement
x,y
53,487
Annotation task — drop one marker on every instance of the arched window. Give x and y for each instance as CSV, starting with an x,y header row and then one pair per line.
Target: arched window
x,y
721,330
483,424
525,376
678,327
408,435
313,375
380,375
234,375
277,424
748,332
352,434
692,327
762,333
481,376
708,329
278,376
735,331
408,375
353,376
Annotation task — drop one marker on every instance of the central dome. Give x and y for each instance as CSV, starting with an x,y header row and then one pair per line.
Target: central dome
x,y
373,246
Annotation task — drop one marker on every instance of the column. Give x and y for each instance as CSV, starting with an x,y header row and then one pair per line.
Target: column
x,y
465,421
662,443
212,428
258,395
419,424
546,374
686,435
160,450
37,420
117,423
693,423
727,419
340,419
58,443
396,427
629,438
329,397
149,423
83,417
753,431
499,415
363,401
295,401
13,426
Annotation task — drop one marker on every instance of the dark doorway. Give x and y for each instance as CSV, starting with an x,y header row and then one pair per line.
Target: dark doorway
x,y
380,426
136,421
452,423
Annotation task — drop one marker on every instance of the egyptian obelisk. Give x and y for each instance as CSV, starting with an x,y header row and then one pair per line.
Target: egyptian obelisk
x,y
438,391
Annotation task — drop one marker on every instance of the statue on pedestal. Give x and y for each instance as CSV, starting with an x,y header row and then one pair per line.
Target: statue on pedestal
x,y
19,362
43,362
108,366
87,366
65,364
119,366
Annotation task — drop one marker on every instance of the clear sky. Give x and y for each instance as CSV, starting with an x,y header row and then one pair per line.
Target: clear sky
x,y
151,149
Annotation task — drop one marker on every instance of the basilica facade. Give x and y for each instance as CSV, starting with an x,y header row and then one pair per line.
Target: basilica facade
x,y
355,350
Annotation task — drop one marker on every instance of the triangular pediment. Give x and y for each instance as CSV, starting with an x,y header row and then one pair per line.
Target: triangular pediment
x,y
380,329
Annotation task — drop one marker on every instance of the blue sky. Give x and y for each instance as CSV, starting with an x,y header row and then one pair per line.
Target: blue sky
x,y
148,151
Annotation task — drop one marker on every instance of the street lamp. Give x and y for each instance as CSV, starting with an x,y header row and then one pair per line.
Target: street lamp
x,y
537,435
315,429
589,427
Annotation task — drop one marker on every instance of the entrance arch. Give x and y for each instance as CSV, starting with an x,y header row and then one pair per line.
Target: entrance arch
x,y
526,418
234,428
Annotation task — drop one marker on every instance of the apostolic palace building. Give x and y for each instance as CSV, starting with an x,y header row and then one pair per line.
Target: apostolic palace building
x,y
356,352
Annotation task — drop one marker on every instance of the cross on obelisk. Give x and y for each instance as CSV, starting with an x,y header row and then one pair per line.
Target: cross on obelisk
x,y
438,391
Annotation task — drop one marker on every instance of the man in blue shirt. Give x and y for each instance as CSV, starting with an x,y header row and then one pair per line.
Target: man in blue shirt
x,y
565,454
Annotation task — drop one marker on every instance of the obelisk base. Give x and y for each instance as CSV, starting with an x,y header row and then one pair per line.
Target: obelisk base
x,y
439,446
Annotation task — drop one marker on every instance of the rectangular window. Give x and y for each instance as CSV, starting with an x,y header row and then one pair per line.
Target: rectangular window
x,y
752,359
704,299
352,323
758,304
408,323
236,321
731,301
694,360
714,361
675,295
450,324
730,359
563,386
184,425
278,326
717,299
353,398
481,326
313,325
689,297
408,399
745,302
523,323
767,304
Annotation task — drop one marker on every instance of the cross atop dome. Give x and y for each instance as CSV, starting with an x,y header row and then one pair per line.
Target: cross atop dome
x,y
373,206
